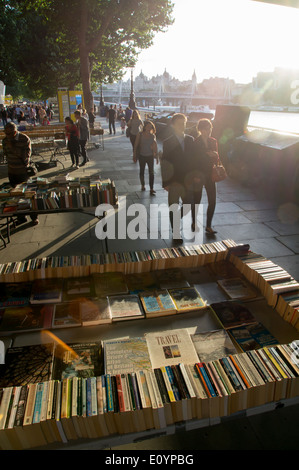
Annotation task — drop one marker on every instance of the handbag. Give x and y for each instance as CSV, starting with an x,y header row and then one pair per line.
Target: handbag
x,y
218,172
31,169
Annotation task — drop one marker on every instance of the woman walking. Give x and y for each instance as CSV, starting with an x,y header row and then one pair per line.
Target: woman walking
x,y
134,125
145,151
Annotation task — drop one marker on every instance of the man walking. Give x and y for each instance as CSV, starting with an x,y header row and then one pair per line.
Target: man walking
x,y
83,127
111,119
175,169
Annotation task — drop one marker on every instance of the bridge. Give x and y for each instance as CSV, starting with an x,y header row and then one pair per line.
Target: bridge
x,y
152,98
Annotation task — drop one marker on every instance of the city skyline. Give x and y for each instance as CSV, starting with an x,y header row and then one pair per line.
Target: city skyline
x,y
233,39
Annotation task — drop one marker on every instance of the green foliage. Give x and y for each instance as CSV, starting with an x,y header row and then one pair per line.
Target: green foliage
x,y
68,42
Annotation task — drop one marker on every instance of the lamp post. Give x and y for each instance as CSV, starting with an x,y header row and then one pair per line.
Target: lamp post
x,y
132,103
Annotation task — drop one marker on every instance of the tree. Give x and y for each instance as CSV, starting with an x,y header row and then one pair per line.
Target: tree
x,y
99,37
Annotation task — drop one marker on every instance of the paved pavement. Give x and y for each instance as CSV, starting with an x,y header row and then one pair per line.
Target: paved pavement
x,y
271,227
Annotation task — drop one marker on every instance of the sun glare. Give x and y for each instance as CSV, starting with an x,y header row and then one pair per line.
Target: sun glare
x,y
224,38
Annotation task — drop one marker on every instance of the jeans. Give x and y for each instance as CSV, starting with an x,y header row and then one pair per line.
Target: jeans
x,y
210,187
82,144
111,127
149,161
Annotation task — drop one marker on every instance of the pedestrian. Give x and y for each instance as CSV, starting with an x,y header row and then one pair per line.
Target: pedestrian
x,y
3,115
135,126
123,125
205,157
175,165
17,149
83,127
111,116
72,134
32,114
91,118
145,151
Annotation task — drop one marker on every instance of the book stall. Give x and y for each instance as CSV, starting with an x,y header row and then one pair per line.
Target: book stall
x,y
109,347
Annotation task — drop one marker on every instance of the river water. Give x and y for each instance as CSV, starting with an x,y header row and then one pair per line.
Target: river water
x,y
277,121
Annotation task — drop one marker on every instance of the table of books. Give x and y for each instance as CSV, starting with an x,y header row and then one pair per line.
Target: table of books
x,y
127,344
60,194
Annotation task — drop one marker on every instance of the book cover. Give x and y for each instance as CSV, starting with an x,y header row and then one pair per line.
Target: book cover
x,y
14,294
109,283
46,291
77,360
27,364
66,314
171,278
253,336
125,307
95,311
171,347
232,314
27,318
140,282
212,345
157,303
187,299
237,288
126,355
75,287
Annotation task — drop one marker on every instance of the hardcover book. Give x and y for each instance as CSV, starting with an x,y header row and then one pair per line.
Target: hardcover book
x,y
27,364
46,291
187,299
212,345
109,283
14,294
78,360
95,311
253,336
232,314
237,288
125,307
125,355
157,303
66,314
171,347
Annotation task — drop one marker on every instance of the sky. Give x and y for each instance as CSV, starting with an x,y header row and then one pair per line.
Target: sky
x,y
224,38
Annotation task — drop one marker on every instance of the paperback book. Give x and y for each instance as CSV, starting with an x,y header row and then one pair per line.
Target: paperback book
x,y
237,288
125,307
171,278
186,299
14,294
95,311
140,282
46,291
27,318
27,364
213,345
110,283
232,314
253,336
171,347
78,360
126,355
66,314
75,287
157,303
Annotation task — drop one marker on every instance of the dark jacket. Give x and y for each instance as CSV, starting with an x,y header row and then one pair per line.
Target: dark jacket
x,y
202,163
175,161
18,155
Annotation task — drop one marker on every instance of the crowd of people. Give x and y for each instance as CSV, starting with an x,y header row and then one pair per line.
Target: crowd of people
x,y
186,165
186,162
24,114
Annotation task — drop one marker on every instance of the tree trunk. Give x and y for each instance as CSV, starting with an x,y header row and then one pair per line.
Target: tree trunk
x,y
85,77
